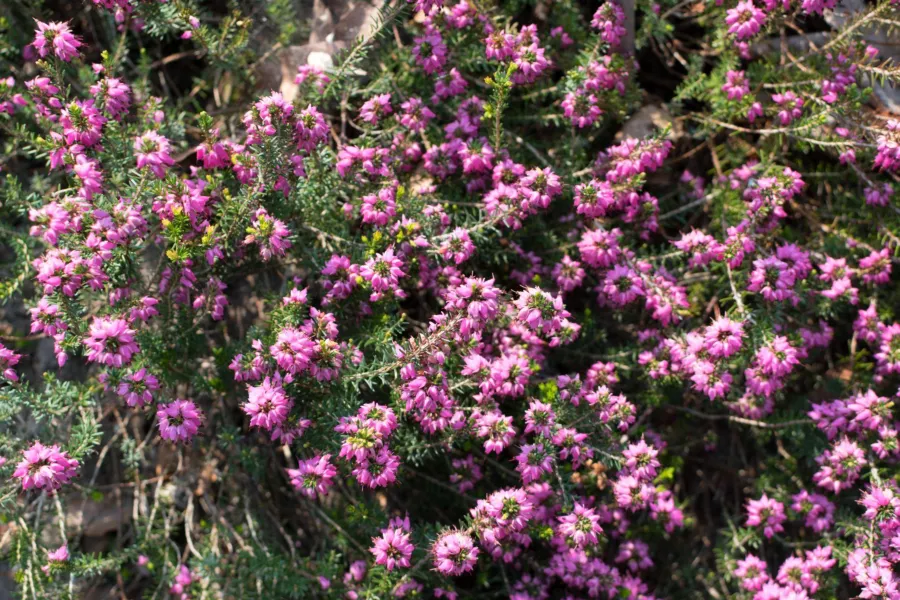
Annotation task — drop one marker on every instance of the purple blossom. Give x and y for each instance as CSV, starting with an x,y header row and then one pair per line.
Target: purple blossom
x,y
45,468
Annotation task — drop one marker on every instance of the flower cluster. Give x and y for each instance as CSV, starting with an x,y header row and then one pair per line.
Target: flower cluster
x,y
428,294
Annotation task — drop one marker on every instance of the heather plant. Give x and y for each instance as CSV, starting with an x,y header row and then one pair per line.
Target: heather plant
x,y
447,315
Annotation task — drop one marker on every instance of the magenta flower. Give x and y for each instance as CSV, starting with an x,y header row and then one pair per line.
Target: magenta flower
x,y
9,359
268,405
82,125
497,430
56,557
791,106
540,311
448,85
293,351
378,469
778,358
379,209
137,387
152,151
539,418
313,476
876,267
881,503
600,248
818,509
632,494
383,272
622,285
111,342
641,461
744,20
454,553
736,85
393,549
56,38
89,176
610,20
183,580
581,526
375,108
458,247
533,462
887,157
270,234
415,114
45,468
310,75
466,473
768,513
723,337
380,418
114,95
752,572
179,420
430,51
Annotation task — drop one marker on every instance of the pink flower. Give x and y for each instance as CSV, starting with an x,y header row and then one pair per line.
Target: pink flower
x,y
766,512
383,272
744,20
723,337
178,421
110,342
136,388
540,311
736,86
378,470
415,114
45,468
641,461
114,94
791,106
56,557
313,476
82,124
268,405
312,76
752,572
840,466
182,583
270,234
57,38
581,526
393,549
379,209
622,285
632,494
888,152
610,20
88,172
534,461
778,358
880,503
458,246
498,431
818,509
152,151
375,108
454,553
774,279
876,267
430,51
568,274
9,359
